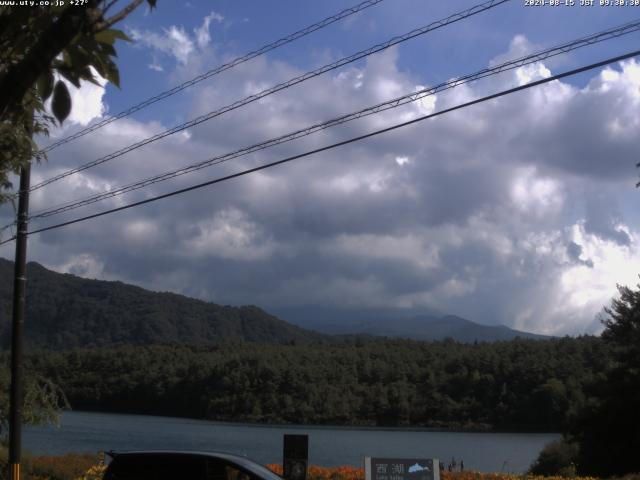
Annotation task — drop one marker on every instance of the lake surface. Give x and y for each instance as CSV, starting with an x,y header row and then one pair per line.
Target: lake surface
x,y
94,432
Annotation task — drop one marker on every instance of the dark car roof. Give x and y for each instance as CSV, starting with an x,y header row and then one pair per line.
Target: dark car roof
x,y
243,462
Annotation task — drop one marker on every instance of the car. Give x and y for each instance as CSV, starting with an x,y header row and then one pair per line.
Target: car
x,y
184,465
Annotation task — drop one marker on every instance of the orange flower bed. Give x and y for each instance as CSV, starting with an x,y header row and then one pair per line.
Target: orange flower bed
x,y
63,466
314,472
84,467
501,476
354,473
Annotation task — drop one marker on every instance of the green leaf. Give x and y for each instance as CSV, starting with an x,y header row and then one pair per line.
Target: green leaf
x,y
70,75
78,58
57,64
104,49
45,84
66,58
111,73
107,49
109,36
100,68
114,77
61,102
93,80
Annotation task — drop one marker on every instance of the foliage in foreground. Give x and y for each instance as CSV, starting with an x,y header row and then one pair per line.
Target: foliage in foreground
x,y
603,438
557,458
40,45
69,466
72,466
608,427
43,400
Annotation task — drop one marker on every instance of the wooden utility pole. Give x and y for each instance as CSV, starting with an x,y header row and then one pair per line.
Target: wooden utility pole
x,y
17,323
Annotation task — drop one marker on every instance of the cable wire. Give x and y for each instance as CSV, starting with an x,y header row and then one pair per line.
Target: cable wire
x,y
394,103
339,144
215,71
281,86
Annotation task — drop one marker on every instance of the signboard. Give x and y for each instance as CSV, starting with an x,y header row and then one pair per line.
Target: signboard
x,y
401,468
295,457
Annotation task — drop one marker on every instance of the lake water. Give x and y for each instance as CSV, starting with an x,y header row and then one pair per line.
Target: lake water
x,y
93,432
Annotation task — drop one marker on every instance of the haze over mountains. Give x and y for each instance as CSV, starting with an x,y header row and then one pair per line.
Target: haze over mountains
x,y
412,324
65,311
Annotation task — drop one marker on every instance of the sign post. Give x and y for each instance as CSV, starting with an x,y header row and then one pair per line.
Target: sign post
x,y
296,457
401,468
17,323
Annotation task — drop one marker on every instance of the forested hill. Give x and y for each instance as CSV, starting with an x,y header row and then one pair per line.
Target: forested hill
x,y
65,311
517,385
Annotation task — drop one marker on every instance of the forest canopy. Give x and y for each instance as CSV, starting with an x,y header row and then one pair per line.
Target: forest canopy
x,y
515,385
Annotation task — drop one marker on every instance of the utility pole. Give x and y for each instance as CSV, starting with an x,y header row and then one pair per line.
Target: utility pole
x,y
17,323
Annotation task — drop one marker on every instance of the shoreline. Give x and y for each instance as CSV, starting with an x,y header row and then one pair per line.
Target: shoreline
x,y
297,426
83,431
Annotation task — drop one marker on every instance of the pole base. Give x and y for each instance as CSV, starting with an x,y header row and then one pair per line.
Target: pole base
x,y
15,471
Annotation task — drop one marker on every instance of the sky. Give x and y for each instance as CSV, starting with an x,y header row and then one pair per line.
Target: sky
x,y
519,211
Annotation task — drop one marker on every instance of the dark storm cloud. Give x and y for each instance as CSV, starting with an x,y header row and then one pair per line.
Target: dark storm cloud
x,y
602,219
574,251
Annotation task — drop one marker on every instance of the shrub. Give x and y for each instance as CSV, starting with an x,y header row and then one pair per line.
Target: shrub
x,y
557,458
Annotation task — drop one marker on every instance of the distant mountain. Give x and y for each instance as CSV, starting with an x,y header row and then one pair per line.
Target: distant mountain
x,y
430,325
65,311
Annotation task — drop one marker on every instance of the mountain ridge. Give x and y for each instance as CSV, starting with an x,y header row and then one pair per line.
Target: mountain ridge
x,y
429,326
66,311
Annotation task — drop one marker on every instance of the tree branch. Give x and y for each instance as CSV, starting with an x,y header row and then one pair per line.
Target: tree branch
x,y
100,26
108,5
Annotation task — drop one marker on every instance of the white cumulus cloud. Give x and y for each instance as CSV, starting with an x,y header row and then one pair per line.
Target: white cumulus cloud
x,y
507,212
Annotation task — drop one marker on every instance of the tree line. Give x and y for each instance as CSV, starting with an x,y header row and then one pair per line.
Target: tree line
x,y
514,385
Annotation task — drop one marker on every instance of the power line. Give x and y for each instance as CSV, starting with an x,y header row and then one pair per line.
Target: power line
x,y
9,225
281,86
338,144
394,103
215,71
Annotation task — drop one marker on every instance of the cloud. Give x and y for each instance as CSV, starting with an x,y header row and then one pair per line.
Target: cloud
x,y
202,33
155,65
587,286
534,195
84,265
87,102
230,235
507,212
602,219
574,251
174,42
